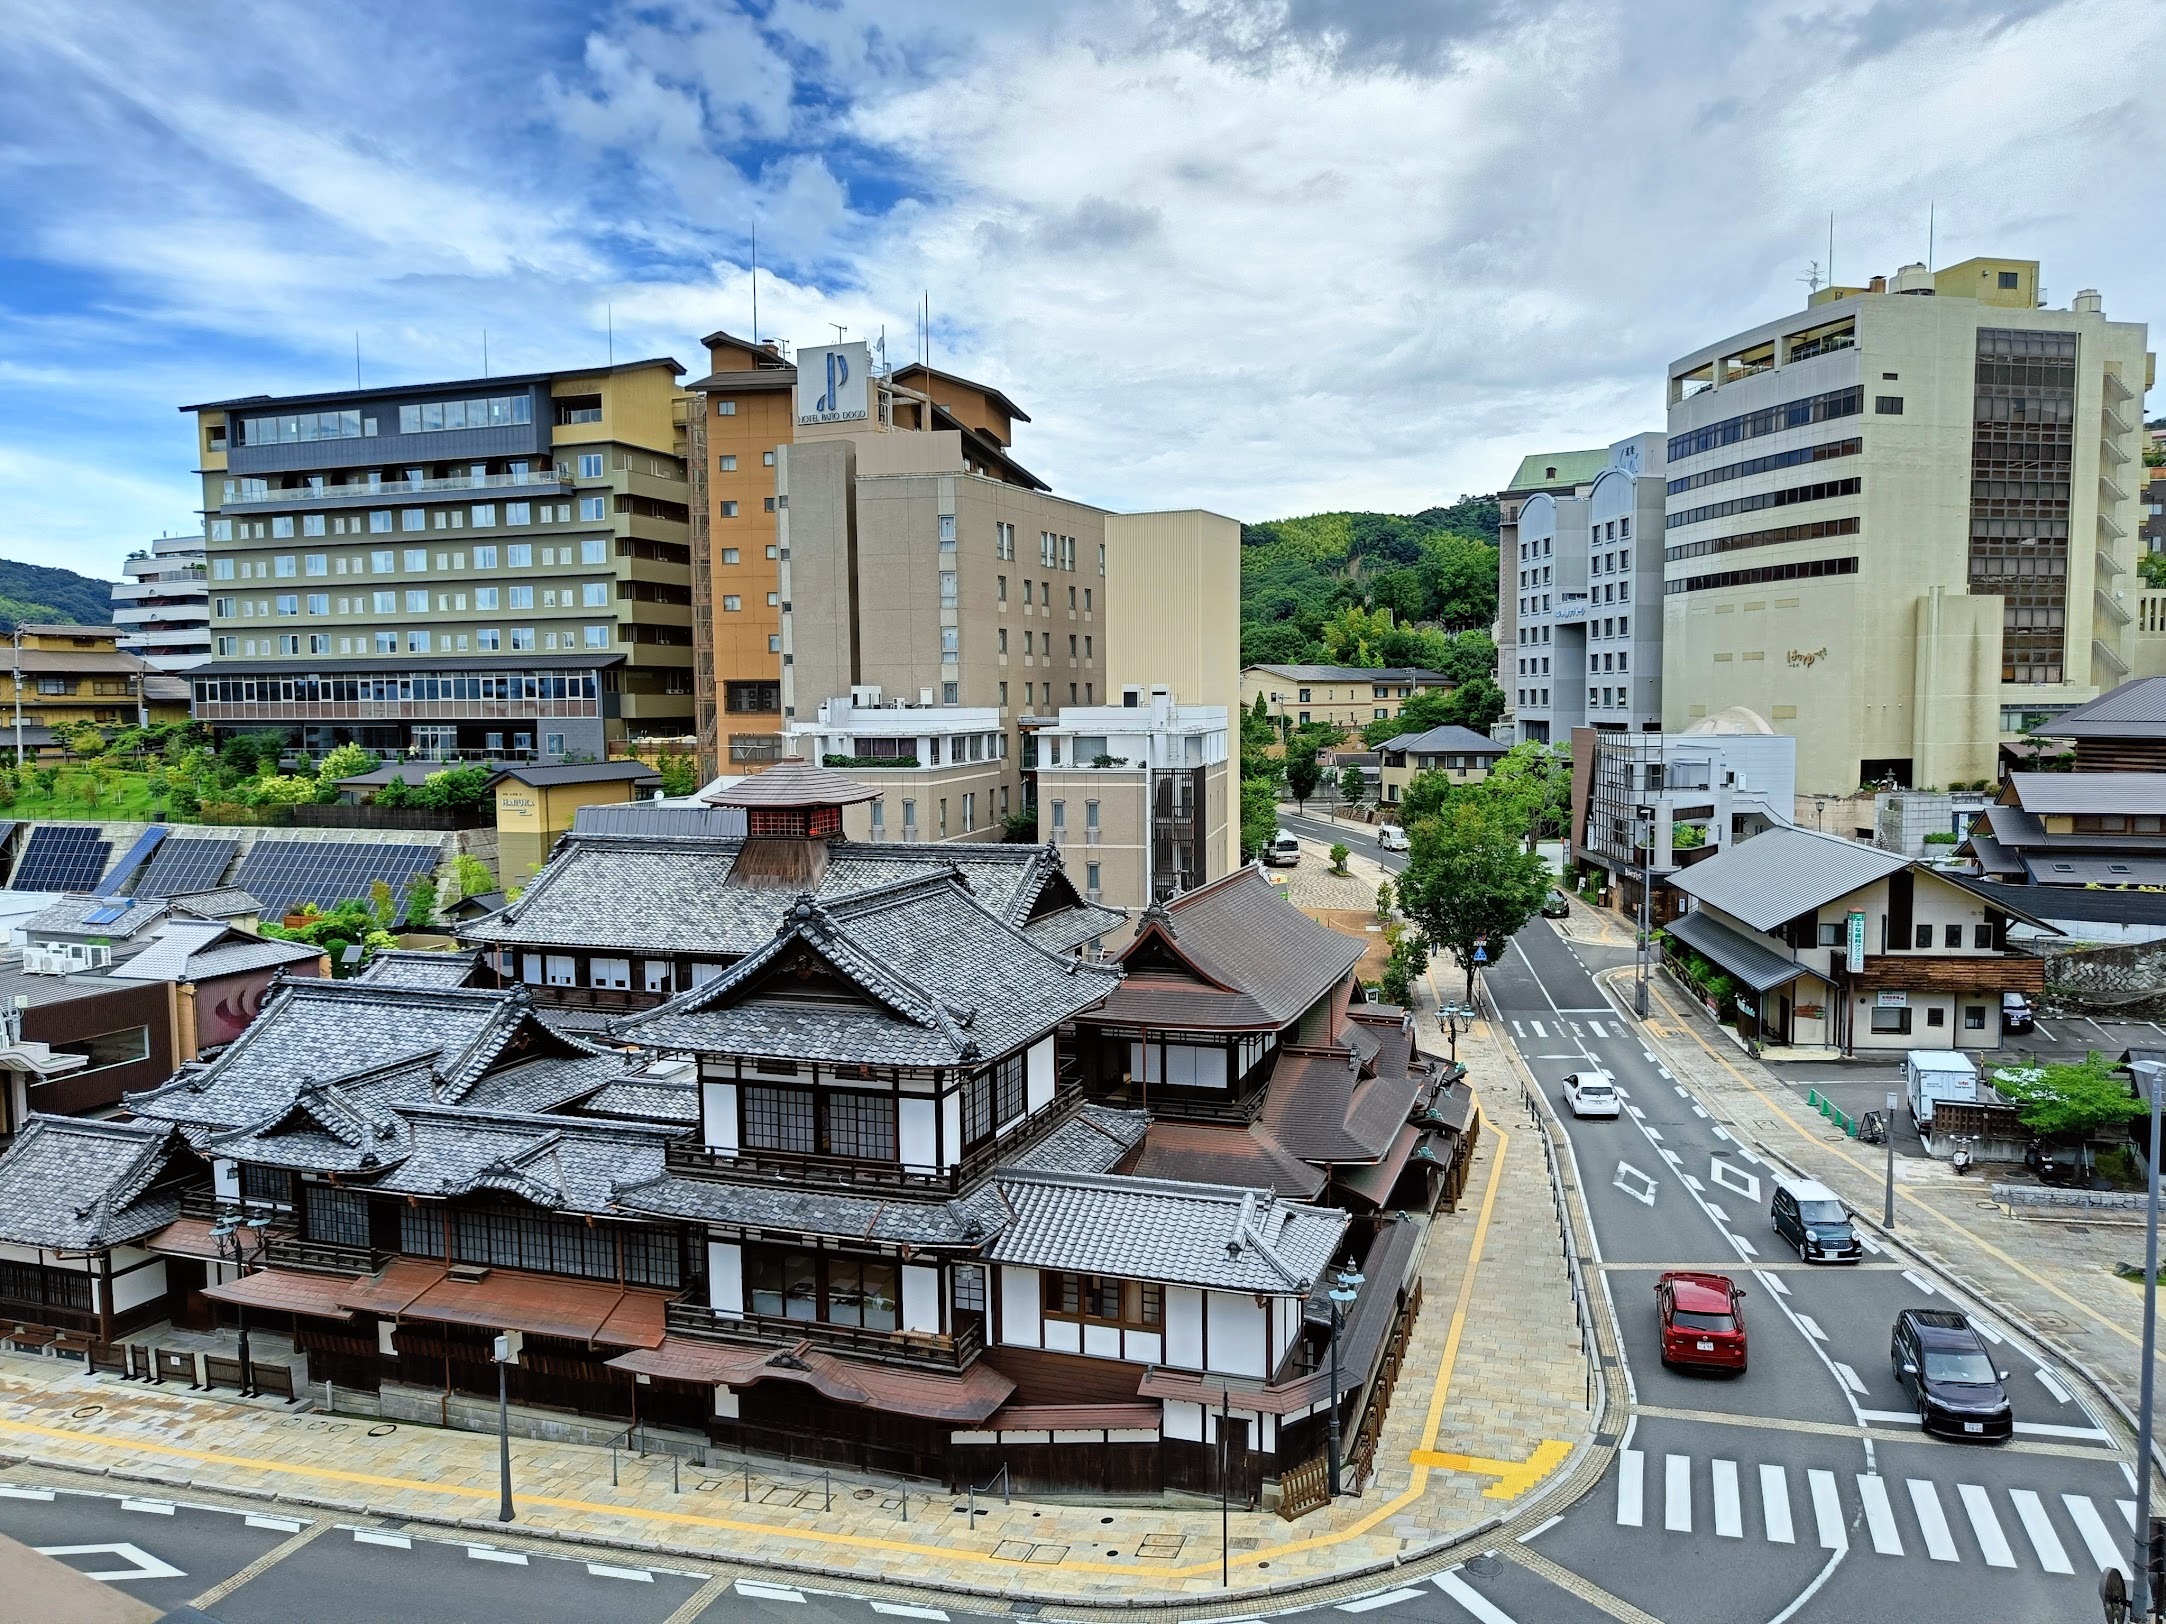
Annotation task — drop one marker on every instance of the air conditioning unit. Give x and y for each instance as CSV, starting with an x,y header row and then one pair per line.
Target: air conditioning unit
x,y
38,961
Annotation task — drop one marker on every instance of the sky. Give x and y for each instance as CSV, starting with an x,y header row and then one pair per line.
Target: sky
x,y
1268,257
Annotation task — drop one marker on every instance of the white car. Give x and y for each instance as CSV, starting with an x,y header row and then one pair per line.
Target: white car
x,y
1592,1094
1391,838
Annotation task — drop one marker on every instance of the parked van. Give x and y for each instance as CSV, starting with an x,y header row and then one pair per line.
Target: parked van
x,y
1931,1075
1284,851
1392,837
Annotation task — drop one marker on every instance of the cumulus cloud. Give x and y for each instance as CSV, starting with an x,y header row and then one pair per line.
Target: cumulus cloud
x,y
1262,255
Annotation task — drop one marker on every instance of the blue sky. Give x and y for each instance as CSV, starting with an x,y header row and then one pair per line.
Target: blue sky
x,y
1267,256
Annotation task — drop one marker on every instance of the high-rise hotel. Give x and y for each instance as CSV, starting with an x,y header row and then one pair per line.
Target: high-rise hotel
x,y
1901,522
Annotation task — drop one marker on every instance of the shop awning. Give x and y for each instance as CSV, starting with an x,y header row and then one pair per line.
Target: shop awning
x,y
288,1291
966,1397
1760,968
575,1310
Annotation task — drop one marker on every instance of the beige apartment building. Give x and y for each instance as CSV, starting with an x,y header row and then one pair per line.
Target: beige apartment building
x,y
1139,796
1348,696
1901,523
1556,473
943,772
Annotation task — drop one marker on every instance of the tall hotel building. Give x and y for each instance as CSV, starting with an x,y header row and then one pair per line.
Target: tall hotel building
x,y
495,568
1901,523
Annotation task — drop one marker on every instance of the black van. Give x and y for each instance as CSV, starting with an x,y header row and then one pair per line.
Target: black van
x,y
1812,1218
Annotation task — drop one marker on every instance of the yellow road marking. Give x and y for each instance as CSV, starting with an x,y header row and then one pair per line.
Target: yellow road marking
x,y
1922,1205
1513,1477
487,1493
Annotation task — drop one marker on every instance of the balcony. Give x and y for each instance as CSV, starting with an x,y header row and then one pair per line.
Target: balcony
x,y
2109,608
250,495
785,1167
325,1257
687,1316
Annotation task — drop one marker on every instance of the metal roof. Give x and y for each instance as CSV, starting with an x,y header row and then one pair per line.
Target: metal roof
x,y
1353,673
793,781
1760,968
2135,710
2063,794
1573,468
2093,868
1774,877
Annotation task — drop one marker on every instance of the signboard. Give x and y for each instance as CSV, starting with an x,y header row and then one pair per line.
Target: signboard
x,y
834,383
1891,1000
1856,945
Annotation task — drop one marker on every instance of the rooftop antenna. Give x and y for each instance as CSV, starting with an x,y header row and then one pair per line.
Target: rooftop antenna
x,y
840,329
610,316
1929,208
755,281
357,358
1811,278
1831,248
485,352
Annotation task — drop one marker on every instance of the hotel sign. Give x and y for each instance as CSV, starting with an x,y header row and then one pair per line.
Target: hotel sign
x,y
833,383
1856,943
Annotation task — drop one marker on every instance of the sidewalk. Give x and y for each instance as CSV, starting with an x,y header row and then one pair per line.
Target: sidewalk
x,y
1491,1398
2056,1277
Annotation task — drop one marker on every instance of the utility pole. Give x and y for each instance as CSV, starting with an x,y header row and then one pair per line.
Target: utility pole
x,y
2140,1565
1345,1291
507,1351
18,698
1645,823
1887,1215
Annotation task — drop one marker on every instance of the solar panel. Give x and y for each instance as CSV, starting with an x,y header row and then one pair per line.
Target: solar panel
x,y
281,873
182,866
132,859
111,913
62,857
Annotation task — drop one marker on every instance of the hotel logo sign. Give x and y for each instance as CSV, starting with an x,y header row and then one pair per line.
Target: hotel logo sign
x,y
833,383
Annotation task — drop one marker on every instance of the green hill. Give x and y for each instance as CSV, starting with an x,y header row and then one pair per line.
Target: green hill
x,y
33,592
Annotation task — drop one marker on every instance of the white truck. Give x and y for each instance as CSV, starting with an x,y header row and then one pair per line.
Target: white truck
x,y
1932,1075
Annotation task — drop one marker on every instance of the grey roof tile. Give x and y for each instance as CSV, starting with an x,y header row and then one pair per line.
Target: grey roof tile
x,y
82,1184
408,967
1240,933
202,949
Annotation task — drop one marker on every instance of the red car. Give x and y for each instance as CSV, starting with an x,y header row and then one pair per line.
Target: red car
x,y
1702,1323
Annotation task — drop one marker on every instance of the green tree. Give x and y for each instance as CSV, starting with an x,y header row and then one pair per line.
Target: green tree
x,y
679,772
1339,855
1352,786
1409,958
1355,636
2153,568
472,875
1259,813
2068,1098
1477,704
420,912
1469,875
1538,779
1459,578
1303,772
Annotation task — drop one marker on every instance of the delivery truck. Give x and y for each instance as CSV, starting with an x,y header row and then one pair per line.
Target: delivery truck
x,y
1933,1075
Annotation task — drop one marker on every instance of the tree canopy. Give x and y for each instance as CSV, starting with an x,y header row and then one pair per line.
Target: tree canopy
x,y
1469,874
2068,1097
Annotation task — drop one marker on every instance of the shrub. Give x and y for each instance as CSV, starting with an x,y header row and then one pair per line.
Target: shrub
x,y
679,772
1338,859
471,875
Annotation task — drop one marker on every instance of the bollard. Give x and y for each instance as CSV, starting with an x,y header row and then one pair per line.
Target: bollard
x,y
612,1463
827,1491
676,1463
748,1482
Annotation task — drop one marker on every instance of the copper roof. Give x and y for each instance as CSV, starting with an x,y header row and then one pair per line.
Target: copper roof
x,y
793,781
388,1292
967,1397
547,1305
289,1291
1073,1417
1200,1153
1374,1183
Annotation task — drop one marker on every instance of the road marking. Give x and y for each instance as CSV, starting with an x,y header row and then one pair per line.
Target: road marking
x,y
1677,1493
1925,1500
1744,1247
1812,1327
1664,1070
2045,1429
1541,1528
299,1537
1827,1511
1775,1505
1773,1282
1648,1055
2052,1556
1683,1092
1518,1031
157,1508
1729,1511
1539,1030
1731,1178
1700,1111
281,1525
1595,1027
756,1591
1986,1526
1693,1184
2096,1539
371,1536
1850,1379
2060,1393
1716,1212
1477,1604
2128,1513
9,1492
1879,1515
602,1570
1986,1331
1667,1154
1637,1114
489,1553
1868,1242
1920,1281
1631,1466
141,1564
1387,1599
1888,1418
1652,1133
1641,1186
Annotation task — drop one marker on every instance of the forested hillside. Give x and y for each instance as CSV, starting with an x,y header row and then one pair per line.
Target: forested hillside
x,y
32,592
1373,589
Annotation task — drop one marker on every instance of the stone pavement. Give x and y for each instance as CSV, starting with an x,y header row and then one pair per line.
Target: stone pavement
x,y
2055,1276
1492,1396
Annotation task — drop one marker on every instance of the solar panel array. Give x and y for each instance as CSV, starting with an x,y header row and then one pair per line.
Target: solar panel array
x,y
181,866
62,857
281,873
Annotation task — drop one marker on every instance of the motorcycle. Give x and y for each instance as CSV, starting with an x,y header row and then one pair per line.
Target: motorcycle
x,y
1960,1157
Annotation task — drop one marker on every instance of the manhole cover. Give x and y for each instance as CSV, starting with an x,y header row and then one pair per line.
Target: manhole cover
x,y
87,1411
383,1431
1478,1565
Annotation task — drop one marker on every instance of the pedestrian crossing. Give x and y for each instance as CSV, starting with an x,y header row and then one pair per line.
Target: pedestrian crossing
x,y
2009,1529
1565,1028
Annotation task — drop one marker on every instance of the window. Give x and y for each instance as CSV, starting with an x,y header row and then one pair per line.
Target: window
x,y
221,569
594,550
483,516
947,532
417,603
417,642
731,603
590,465
1000,588
725,408
594,594
380,522
1114,1302
519,555
1981,936
1891,1020
726,464
947,589
950,642
779,1119
387,642
2008,279
595,637
123,1047
1922,936
413,518
1974,1017
1951,936
1936,1016
729,510
593,509
522,637
520,597
289,603
488,639
519,512
1888,405
417,560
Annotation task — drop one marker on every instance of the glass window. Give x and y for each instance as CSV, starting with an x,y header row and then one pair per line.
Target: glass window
x,y
417,560
726,464
592,509
729,555
519,513
379,521
417,602
413,519
590,465
597,637
485,558
485,597
221,569
594,594
519,555
319,603
729,510
387,642
594,550
522,637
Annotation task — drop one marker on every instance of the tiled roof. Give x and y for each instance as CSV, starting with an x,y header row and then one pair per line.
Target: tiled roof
x,y
939,981
639,1099
227,902
83,1184
1449,738
568,1164
407,967
2135,710
793,781
1070,928
202,949
1199,1153
1322,1110
1153,999
1215,1236
71,917
1240,933
1094,1141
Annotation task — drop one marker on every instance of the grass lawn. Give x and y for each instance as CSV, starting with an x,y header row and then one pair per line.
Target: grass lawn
x,y
104,793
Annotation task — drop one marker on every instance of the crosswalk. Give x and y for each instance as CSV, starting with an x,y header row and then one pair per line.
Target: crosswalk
x,y
1902,1516
1563,1028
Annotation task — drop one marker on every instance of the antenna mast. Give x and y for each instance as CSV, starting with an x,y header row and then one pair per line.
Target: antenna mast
x,y
755,281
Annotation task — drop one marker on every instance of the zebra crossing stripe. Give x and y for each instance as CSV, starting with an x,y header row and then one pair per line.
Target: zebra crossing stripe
x,y
2052,1556
1775,1505
1879,1515
1925,1500
1631,1466
1595,1027
1539,1031
1677,1493
1477,1605
1986,1526
1729,1511
2096,1538
1827,1511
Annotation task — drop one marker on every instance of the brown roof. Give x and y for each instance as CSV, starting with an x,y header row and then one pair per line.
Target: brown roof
x,y
967,1397
1241,934
919,369
1374,1183
88,661
793,781
388,1292
1158,1000
1319,1109
576,1310
1195,1153
1246,1396
2014,973
288,1291
191,1237
1073,1417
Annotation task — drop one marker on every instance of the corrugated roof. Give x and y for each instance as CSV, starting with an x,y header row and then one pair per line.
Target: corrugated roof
x,y
1760,968
1774,877
2066,794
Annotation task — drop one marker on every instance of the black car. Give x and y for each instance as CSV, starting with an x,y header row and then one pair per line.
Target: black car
x,y
1556,906
1944,1366
1812,1218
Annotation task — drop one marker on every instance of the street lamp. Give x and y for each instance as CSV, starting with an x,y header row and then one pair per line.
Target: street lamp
x,y
1644,827
1343,1292
229,1233
2140,1566
507,1355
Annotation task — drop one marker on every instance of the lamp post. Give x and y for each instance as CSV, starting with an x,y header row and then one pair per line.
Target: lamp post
x,y
1346,1289
1887,1215
1644,826
2140,1565
18,639
507,1354
229,1234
